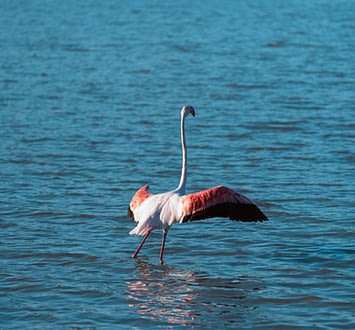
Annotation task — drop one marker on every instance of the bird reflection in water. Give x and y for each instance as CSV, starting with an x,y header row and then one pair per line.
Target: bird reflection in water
x,y
163,293
167,294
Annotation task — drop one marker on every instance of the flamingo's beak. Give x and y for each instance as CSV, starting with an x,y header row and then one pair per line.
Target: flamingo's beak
x,y
192,111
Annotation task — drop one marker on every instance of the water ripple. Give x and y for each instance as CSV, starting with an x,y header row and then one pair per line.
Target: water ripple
x,y
90,101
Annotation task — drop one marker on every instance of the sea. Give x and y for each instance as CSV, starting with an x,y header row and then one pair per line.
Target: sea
x,y
90,100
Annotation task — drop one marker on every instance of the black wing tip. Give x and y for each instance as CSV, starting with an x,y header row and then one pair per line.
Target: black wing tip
x,y
249,213
237,212
130,213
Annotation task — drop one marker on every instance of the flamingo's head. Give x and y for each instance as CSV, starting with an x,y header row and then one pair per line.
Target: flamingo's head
x,y
187,109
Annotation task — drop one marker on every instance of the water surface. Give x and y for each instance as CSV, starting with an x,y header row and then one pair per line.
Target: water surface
x,y
90,97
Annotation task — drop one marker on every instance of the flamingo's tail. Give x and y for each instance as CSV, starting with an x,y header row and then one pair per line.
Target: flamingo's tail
x,y
140,230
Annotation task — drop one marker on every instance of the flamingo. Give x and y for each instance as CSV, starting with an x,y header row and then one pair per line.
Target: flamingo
x,y
161,211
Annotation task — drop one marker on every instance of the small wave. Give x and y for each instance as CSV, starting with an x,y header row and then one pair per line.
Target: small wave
x,y
46,214
248,86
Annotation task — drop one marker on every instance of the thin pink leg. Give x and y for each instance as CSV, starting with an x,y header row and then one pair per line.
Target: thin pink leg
x,y
135,254
162,246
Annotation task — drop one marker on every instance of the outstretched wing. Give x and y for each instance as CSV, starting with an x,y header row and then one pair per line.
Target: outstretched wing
x,y
220,202
139,197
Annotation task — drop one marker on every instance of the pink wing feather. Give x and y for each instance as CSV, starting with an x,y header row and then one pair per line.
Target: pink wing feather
x,y
220,202
139,197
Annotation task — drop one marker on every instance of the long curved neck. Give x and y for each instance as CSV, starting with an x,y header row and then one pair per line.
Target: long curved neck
x,y
182,184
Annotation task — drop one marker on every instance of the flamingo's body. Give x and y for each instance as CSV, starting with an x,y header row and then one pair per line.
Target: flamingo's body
x,y
163,210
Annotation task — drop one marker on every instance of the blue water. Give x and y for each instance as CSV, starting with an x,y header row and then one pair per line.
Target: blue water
x,y
90,98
